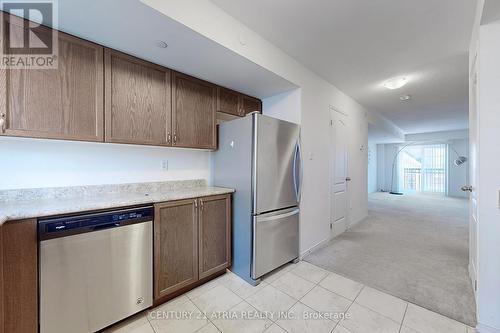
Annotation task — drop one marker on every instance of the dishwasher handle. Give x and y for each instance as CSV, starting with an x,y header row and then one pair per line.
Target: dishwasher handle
x,y
106,226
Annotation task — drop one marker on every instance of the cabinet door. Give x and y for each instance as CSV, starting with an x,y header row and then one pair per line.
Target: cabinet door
x,y
193,114
138,104
175,246
250,104
19,277
228,101
62,103
214,234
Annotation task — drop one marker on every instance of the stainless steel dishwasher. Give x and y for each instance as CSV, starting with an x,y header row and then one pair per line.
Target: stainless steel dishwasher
x,y
95,269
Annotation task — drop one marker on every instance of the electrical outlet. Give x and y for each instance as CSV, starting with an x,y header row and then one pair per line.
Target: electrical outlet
x,y
164,165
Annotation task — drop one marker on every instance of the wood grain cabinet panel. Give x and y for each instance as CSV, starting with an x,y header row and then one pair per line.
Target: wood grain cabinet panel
x,y
228,101
19,277
62,103
193,112
175,246
250,104
138,101
214,234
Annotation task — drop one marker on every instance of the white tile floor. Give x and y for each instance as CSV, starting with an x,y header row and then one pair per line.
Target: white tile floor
x,y
297,298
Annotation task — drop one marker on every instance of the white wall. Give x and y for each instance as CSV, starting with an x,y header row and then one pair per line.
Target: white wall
x,y
372,168
28,163
386,153
458,175
317,96
381,169
285,106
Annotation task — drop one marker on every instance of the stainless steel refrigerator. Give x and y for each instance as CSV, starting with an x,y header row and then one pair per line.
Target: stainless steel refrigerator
x,y
260,157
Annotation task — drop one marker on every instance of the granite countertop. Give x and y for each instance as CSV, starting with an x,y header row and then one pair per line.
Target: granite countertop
x,y
32,203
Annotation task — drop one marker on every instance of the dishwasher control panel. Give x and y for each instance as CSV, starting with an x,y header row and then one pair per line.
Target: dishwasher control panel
x,y
76,224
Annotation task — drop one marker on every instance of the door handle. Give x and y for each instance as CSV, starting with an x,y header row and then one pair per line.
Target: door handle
x,y
348,179
466,188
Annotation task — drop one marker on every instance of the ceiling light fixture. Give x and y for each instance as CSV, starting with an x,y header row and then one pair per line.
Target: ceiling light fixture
x,y
161,44
405,98
395,82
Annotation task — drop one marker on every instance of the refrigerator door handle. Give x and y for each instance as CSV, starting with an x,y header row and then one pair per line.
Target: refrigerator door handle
x,y
301,170
295,181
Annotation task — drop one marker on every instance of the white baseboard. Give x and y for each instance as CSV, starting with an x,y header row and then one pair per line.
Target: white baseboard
x,y
486,329
338,229
353,223
315,247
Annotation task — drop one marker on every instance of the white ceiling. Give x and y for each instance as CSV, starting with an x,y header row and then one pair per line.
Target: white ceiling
x,y
379,136
357,44
132,27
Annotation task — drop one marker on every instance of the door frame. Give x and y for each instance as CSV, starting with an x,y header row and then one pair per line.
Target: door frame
x,y
334,115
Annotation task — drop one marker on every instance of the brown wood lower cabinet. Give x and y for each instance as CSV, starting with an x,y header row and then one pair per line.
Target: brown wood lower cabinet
x,y
19,277
175,246
214,234
191,242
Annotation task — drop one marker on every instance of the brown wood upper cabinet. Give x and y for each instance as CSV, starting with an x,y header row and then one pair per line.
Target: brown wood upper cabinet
x,y
250,104
62,103
138,101
193,112
228,101
192,240
175,246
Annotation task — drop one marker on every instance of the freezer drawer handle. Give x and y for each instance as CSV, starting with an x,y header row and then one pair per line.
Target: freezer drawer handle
x,y
277,217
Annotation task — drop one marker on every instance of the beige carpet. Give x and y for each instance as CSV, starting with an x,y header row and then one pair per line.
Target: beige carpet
x,y
412,246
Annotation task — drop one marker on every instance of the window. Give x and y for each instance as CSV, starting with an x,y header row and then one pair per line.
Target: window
x,y
423,168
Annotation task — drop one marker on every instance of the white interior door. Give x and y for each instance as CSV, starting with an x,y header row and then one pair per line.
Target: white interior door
x,y
473,215
339,172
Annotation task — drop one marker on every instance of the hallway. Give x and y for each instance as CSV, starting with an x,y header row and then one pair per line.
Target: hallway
x,y
414,247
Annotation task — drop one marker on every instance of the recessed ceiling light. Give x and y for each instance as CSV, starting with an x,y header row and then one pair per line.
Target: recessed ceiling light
x,y
161,44
405,98
395,82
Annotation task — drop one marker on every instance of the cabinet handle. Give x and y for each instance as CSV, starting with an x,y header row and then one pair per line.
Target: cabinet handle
x,y
195,203
2,123
201,204
175,132
169,138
